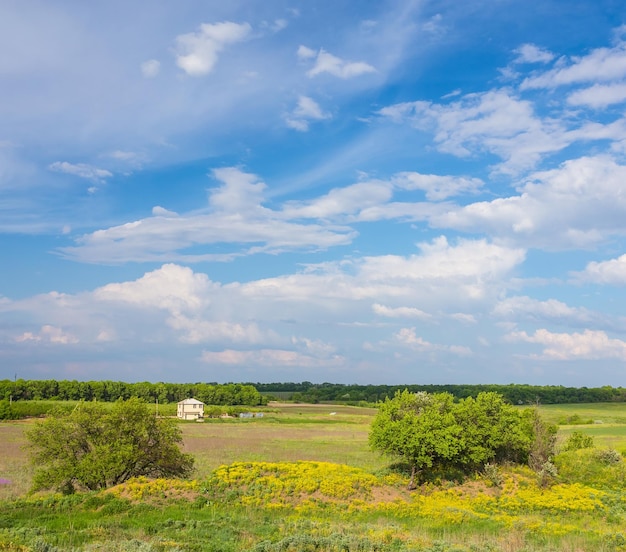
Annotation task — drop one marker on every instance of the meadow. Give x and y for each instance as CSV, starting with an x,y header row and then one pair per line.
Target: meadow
x,y
303,478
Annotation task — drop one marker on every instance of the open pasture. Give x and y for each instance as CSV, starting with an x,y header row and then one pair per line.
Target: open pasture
x,y
280,505
606,422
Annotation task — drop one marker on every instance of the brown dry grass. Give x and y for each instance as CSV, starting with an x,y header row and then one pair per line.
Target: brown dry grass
x,y
14,464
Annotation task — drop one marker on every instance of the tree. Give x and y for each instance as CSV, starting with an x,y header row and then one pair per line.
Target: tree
x,y
431,431
493,431
95,447
417,427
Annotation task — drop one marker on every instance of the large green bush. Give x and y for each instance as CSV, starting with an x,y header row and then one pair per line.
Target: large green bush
x,y
95,447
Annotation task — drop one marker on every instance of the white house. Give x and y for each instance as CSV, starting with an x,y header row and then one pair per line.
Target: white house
x,y
190,409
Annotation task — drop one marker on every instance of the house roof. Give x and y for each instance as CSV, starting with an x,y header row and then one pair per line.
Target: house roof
x,y
191,401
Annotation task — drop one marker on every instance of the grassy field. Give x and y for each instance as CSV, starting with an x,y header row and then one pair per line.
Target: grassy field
x,y
607,422
345,499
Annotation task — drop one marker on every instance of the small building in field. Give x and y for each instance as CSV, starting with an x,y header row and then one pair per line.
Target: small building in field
x,y
190,409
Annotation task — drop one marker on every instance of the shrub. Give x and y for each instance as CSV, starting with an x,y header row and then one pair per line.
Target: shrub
x,y
578,440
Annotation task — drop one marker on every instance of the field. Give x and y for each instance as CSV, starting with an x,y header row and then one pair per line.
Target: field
x,y
302,478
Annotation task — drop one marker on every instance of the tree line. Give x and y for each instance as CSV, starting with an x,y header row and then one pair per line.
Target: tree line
x,y
230,394
254,394
512,393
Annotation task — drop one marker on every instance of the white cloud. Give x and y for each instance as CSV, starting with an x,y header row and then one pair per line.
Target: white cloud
x,y
341,201
307,110
530,53
197,52
611,272
526,308
576,205
494,121
602,64
150,68
48,334
81,170
442,276
400,312
172,287
328,63
306,53
437,187
589,345
599,95
269,358
408,337
235,215
196,330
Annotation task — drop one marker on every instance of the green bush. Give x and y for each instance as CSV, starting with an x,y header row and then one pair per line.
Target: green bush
x,y
577,441
591,467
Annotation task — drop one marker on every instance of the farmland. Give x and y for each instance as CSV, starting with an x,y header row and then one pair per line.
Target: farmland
x,y
302,477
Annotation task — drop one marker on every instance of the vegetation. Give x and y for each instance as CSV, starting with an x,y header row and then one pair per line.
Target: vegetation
x,y
254,394
303,478
111,391
95,448
514,393
434,434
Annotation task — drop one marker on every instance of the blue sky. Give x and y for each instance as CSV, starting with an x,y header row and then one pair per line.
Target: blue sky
x,y
354,192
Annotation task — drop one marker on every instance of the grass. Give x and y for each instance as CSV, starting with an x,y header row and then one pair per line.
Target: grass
x,y
608,427
438,519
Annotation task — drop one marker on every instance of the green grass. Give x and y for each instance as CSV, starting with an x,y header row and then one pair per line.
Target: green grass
x,y
609,422
286,433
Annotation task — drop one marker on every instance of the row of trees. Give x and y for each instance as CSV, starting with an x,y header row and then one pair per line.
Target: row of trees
x,y
231,394
513,393
433,433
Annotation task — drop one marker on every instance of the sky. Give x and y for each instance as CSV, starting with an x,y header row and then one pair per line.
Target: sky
x,y
386,192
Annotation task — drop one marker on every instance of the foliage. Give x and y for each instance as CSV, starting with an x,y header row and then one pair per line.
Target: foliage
x,y
6,411
543,441
280,483
431,432
245,508
111,391
519,394
95,447
586,466
575,419
576,441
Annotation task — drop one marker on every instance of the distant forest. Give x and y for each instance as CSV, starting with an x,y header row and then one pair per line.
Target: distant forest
x,y
231,394
254,394
513,393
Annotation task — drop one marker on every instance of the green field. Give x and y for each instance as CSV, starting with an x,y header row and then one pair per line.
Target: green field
x,y
344,499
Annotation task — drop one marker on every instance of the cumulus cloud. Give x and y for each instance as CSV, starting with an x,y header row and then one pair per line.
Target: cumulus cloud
x,y
409,338
197,53
172,287
435,186
601,65
496,121
235,215
399,312
326,62
576,205
306,111
611,272
523,309
588,345
48,334
599,95
531,53
82,170
341,201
